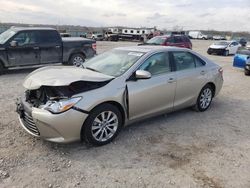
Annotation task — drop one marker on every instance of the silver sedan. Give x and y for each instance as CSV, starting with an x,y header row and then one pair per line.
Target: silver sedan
x,y
121,86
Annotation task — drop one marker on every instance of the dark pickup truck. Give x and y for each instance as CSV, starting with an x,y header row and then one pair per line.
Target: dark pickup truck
x,y
39,46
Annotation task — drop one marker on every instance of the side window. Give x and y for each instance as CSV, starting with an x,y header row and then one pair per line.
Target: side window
x,y
157,64
183,60
170,40
234,44
26,38
199,62
177,40
49,37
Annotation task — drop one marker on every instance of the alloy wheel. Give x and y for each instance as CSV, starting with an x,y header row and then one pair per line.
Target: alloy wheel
x,y
78,61
104,126
205,98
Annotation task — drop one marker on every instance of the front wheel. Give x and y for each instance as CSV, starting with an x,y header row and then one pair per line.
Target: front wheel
x,y
226,53
1,68
76,60
247,72
103,125
205,99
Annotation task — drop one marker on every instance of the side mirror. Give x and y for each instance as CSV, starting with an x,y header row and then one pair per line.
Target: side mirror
x,y
13,43
142,74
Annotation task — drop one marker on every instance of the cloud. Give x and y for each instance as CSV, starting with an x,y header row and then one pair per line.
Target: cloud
x,y
189,14
205,14
156,16
114,14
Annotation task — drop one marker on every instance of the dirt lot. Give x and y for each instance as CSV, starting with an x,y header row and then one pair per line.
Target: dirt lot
x,y
181,149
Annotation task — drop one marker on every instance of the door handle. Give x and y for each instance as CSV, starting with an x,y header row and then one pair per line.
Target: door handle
x,y
36,48
58,46
203,72
171,80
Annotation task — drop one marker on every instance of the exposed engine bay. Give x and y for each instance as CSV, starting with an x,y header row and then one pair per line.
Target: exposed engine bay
x,y
45,94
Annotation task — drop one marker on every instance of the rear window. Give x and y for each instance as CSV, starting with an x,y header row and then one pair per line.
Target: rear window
x,y
186,39
49,37
156,40
178,39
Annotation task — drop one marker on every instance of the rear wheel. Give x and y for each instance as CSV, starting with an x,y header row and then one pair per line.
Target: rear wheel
x,y
103,125
205,99
76,60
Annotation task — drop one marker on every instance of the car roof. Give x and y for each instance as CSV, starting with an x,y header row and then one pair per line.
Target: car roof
x,y
149,48
31,28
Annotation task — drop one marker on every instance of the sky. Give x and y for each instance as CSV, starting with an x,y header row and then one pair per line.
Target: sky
x,y
224,15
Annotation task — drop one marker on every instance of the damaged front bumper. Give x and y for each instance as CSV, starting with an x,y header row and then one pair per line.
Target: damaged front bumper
x,y
61,128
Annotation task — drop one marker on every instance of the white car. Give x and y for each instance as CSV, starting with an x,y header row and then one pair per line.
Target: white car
x,y
197,35
223,48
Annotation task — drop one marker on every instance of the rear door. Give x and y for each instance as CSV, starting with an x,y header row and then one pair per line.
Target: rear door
x,y
26,52
50,46
191,77
148,96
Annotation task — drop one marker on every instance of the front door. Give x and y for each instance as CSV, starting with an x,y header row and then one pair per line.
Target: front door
x,y
26,52
153,95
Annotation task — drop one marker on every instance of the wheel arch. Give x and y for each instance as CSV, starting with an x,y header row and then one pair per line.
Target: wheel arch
x,y
76,52
117,105
114,103
213,87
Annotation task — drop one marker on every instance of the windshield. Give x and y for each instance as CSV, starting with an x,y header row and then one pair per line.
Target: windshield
x,y
114,62
156,40
6,35
223,43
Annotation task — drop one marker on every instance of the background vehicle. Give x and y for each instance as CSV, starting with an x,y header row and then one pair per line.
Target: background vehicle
x,y
114,89
95,36
65,35
223,48
170,40
243,41
109,36
242,59
40,46
197,35
219,37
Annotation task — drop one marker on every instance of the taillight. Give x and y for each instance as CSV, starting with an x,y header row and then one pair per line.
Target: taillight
x,y
221,71
94,46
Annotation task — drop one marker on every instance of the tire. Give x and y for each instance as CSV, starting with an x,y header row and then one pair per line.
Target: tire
x,y
76,60
226,53
247,72
204,99
2,69
95,127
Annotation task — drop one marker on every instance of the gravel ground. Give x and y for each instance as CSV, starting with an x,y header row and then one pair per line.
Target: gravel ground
x,y
181,149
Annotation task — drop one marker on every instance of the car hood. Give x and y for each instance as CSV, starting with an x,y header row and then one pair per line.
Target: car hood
x,y
61,76
214,46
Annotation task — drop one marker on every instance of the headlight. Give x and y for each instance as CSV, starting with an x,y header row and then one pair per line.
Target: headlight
x,y
62,105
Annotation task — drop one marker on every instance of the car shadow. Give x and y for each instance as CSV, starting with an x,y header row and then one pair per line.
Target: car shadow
x,y
19,71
